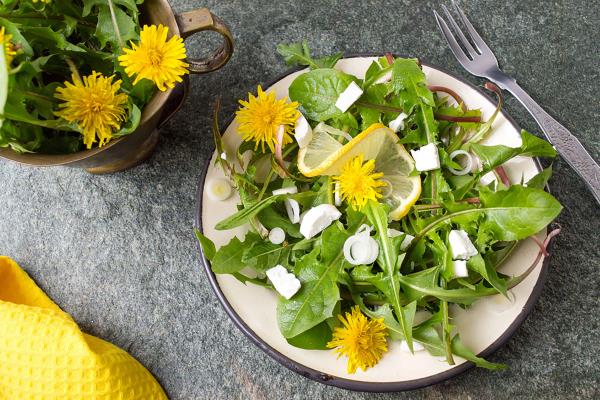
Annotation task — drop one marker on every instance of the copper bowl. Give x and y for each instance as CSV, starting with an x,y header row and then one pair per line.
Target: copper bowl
x,y
129,151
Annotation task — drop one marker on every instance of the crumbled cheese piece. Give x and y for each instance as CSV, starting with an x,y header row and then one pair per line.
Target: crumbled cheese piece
x,y
405,242
416,346
348,97
277,235
317,219
461,245
398,123
285,282
426,158
303,132
218,189
460,269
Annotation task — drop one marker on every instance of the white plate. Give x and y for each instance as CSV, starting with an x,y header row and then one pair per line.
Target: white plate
x,y
484,327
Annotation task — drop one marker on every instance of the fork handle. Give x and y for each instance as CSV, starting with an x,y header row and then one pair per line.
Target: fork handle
x,y
567,145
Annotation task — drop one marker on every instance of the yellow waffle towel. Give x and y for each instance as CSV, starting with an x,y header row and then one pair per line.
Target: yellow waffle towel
x,y
44,355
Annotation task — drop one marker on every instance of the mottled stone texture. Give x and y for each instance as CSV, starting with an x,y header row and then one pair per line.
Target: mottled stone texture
x,y
117,252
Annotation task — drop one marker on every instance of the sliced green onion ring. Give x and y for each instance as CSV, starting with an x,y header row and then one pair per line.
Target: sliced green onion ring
x,y
467,167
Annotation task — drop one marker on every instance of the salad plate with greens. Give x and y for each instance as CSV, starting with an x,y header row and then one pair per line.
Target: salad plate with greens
x,y
374,222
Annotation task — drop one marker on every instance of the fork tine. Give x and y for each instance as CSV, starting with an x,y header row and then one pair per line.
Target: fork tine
x,y
459,53
477,40
463,39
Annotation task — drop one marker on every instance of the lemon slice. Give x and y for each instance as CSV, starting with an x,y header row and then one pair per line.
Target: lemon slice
x,y
325,155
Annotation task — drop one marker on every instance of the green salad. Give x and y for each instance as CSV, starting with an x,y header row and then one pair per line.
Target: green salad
x,y
372,206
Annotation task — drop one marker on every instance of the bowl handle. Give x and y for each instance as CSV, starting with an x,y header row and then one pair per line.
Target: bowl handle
x,y
199,20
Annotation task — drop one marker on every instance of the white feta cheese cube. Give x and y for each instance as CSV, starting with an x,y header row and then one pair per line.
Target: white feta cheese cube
x,y
303,132
460,269
416,346
461,246
348,97
284,282
277,236
398,123
426,158
405,242
317,219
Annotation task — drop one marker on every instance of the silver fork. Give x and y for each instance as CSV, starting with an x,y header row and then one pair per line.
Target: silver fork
x,y
477,58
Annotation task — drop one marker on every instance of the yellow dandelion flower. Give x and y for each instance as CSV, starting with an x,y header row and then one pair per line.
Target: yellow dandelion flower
x,y
42,1
358,183
94,105
260,117
9,48
362,340
156,58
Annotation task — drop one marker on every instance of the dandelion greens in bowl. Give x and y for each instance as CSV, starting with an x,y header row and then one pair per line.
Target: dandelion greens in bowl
x,y
75,74
374,205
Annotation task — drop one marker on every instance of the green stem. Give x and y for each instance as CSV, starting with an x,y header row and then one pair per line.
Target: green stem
x,y
453,118
42,97
434,192
226,166
457,141
444,218
14,18
290,148
487,126
513,245
330,189
265,185
426,207
113,17
446,327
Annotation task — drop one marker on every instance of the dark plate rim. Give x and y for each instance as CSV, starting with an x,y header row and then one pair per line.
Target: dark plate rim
x,y
343,382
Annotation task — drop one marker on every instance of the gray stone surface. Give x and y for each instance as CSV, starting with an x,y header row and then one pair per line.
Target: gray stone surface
x,y
117,252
